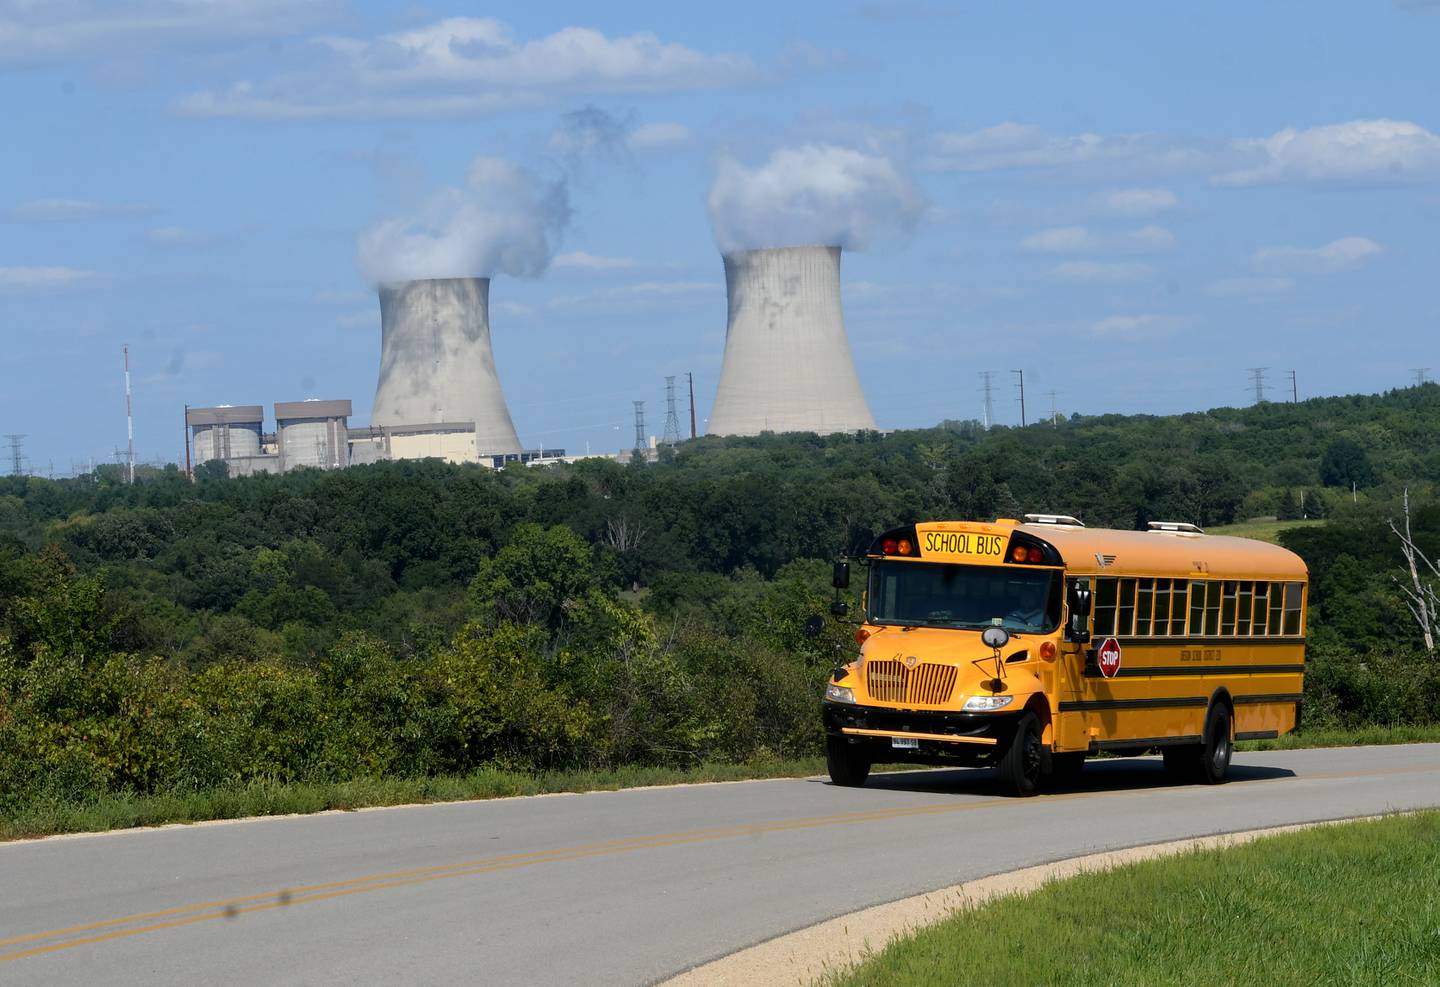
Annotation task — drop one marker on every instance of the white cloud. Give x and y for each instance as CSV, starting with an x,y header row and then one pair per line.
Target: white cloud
x,y
1136,327
1136,203
505,220
812,194
579,260
656,135
1097,272
21,279
57,30
1082,240
1249,287
175,236
1356,151
62,210
1010,146
469,65
1338,255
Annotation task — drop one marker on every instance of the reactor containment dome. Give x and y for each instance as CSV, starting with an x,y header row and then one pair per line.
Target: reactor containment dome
x,y
787,365
436,362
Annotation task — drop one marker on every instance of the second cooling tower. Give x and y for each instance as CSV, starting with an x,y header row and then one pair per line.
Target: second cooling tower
x,y
436,362
787,364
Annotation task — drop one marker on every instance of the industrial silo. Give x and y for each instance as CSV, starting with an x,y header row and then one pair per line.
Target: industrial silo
x,y
312,433
787,365
225,431
436,362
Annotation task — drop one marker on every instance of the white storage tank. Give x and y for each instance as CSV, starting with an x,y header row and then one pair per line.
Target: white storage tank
x,y
313,433
225,431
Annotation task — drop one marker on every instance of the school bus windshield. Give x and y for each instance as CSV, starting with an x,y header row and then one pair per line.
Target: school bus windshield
x,y
927,594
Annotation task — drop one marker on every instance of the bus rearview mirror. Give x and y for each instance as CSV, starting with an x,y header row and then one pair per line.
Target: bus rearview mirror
x,y
840,577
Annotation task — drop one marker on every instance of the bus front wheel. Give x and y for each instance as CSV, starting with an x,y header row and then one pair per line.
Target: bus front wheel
x,y
847,765
1020,765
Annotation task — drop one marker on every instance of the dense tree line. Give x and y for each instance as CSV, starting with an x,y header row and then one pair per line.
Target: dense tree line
x,y
417,617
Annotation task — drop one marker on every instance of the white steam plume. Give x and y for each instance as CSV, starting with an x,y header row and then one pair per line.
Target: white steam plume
x,y
505,220
812,194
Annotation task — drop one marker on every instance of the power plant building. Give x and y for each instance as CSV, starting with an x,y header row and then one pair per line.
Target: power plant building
x,y
312,433
233,434
437,366
787,364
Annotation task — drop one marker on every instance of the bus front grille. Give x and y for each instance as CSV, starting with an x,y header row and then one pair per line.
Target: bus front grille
x,y
923,685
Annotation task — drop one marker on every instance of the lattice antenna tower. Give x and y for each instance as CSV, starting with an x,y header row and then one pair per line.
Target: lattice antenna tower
x,y
988,385
1257,381
639,428
17,453
672,416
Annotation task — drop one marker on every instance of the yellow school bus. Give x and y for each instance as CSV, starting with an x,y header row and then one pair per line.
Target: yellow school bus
x,y
1029,646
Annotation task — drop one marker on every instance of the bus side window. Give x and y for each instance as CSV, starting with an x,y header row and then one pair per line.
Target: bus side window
x,y
1244,605
1177,609
1197,608
1125,620
1162,608
1144,602
1212,607
1227,608
1262,596
1277,599
1293,594
1105,592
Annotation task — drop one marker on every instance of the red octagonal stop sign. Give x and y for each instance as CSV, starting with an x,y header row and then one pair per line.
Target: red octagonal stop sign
x,y
1107,656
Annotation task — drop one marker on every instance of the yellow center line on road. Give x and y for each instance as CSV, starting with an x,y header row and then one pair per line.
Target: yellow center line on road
x,y
184,915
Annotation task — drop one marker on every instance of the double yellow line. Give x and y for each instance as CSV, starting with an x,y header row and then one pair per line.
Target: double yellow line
x,y
71,937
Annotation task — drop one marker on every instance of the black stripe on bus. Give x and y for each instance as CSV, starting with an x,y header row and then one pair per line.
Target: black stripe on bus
x,y
1198,641
1142,742
1258,735
1093,672
1286,697
1071,705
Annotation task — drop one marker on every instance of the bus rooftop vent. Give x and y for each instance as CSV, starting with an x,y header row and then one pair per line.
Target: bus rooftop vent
x,y
1059,520
1176,527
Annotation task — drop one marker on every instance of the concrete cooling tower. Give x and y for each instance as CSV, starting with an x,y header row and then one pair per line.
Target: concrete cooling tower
x,y
436,364
787,361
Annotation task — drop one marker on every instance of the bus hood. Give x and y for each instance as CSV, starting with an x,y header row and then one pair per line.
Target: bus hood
x,y
929,666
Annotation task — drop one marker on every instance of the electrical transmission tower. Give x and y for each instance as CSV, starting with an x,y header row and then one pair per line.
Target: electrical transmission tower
x,y
640,429
1257,381
17,456
672,417
1021,375
1294,390
987,383
1422,375
1054,413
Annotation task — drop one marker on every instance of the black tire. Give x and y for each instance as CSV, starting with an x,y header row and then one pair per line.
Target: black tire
x,y
1067,768
1207,762
846,764
1217,749
1020,765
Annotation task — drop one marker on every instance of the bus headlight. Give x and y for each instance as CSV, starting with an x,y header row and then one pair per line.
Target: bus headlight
x,y
982,704
838,693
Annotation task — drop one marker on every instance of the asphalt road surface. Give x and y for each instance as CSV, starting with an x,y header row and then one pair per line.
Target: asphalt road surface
x,y
606,888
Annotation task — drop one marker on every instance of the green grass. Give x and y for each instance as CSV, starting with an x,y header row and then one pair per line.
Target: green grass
x,y
46,817
1260,530
1351,904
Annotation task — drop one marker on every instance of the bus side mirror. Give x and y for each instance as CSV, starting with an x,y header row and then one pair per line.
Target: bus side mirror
x,y
840,577
1078,630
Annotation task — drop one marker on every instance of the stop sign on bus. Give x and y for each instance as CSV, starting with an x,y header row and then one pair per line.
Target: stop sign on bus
x,y
1107,656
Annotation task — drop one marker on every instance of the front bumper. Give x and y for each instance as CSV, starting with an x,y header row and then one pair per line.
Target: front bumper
x,y
941,734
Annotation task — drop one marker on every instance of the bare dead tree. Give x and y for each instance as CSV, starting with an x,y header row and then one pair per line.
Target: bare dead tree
x,y
623,535
1421,595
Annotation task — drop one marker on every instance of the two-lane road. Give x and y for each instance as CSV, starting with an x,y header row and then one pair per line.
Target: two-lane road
x,y
613,888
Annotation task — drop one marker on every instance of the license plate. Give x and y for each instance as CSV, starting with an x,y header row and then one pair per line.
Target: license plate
x,y
905,743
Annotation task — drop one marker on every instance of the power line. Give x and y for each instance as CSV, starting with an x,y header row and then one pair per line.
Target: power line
x,y
1257,380
986,377
672,417
1021,374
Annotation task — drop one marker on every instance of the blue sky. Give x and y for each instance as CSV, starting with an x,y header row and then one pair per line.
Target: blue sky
x,y
1134,202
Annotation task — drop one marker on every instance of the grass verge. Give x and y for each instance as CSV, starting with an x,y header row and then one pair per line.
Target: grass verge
x,y
49,816
1354,904
45,817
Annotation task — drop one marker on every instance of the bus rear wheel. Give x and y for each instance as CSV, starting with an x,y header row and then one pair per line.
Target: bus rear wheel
x,y
1207,762
1021,763
846,764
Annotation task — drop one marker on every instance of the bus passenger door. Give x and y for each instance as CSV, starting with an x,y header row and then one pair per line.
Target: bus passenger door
x,y
1070,678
